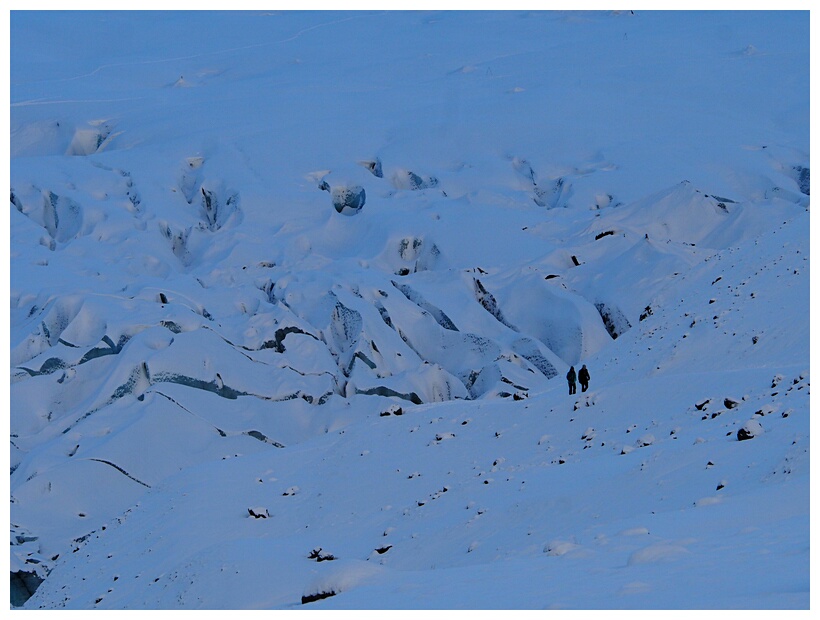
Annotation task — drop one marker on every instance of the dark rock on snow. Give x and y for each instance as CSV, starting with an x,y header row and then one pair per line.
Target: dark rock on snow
x,y
311,598
750,430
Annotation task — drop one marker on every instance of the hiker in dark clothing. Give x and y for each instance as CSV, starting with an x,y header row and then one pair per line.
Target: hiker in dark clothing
x,y
583,378
571,379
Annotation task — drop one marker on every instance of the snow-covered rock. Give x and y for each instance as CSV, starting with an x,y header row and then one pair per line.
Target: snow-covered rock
x,y
749,430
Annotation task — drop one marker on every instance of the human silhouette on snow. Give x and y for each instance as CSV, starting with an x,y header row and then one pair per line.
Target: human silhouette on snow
x,y
583,378
571,379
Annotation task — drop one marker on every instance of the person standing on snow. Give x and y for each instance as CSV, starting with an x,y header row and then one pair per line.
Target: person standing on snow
x,y
583,378
571,379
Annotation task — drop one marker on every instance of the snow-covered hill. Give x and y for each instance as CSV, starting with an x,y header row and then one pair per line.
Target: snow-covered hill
x,y
293,296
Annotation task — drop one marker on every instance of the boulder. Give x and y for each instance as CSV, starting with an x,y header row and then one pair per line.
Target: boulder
x,y
348,199
750,430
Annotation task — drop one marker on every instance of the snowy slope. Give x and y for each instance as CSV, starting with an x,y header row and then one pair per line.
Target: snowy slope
x,y
287,286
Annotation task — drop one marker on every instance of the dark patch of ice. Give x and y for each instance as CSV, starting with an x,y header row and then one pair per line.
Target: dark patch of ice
x,y
614,320
416,297
486,299
22,587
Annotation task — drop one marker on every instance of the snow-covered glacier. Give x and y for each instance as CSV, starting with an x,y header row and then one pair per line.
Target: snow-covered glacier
x,y
293,296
